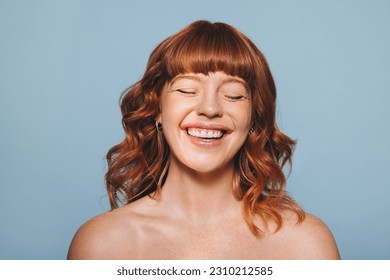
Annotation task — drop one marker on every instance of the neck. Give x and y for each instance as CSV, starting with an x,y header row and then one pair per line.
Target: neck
x,y
200,196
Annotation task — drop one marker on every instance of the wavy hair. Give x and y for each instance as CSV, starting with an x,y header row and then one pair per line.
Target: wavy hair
x,y
138,165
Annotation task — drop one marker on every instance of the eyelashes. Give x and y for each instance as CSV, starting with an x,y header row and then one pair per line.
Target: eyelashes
x,y
236,97
185,91
229,96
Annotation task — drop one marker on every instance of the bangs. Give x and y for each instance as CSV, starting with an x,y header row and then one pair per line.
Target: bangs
x,y
208,48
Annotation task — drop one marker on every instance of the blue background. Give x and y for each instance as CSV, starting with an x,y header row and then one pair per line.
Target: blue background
x,y
63,65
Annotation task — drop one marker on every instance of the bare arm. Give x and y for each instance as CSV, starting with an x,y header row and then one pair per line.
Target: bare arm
x,y
101,238
87,242
315,241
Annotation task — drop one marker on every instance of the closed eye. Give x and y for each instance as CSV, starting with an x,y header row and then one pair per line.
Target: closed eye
x,y
235,97
185,91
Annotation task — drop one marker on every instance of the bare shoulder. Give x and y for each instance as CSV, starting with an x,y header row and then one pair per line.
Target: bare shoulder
x,y
310,239
112,235
96,238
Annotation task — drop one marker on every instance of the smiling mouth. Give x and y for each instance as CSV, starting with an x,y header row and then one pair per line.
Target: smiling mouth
x,y
205,134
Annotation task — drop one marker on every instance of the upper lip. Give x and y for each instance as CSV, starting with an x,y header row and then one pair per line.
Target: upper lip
x,y
207,126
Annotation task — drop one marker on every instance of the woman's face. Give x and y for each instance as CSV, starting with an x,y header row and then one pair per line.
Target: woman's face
x,y
206,119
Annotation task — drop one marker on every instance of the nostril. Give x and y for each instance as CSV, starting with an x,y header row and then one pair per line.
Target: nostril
x,y
210,110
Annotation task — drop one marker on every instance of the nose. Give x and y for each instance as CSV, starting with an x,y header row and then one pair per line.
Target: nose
x,y
209,105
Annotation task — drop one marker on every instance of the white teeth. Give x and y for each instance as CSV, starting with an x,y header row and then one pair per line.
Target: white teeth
x,y
205,133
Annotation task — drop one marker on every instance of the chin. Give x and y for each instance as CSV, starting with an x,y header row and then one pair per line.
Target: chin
x,y
209,167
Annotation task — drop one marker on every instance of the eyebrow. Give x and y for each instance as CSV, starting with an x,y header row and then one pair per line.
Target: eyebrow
x,y
197,78
234,80
190,77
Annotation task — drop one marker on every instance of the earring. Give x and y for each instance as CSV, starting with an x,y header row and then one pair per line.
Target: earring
x,y
159,127
250,131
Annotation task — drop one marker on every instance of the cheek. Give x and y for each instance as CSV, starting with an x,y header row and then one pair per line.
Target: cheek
x,y
243,117
173,112
172,115
248,114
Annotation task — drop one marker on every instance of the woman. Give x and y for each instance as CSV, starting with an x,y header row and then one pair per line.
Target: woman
x,y
200,170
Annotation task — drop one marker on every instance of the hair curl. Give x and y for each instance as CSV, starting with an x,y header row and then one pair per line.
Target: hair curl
x,y
137,166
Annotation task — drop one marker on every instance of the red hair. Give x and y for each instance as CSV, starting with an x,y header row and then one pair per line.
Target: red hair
x,y
137,166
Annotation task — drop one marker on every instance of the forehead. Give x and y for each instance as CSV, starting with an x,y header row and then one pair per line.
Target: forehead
x,y
213,76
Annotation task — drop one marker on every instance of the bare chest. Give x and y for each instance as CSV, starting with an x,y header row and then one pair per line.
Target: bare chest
x,y
222,241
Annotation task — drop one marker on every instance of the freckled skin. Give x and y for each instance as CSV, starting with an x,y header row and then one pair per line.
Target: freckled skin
x,y
147,230
207,105
196,215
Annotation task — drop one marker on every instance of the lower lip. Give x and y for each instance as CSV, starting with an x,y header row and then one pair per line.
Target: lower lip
x,y
205,143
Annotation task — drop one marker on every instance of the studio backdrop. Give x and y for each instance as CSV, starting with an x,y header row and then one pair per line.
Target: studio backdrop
x,y
64,64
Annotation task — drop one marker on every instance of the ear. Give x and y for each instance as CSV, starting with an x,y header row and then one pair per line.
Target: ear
x,y
159,118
